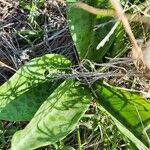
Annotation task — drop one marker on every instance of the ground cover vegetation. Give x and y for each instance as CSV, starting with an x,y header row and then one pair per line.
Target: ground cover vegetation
x,y
68,77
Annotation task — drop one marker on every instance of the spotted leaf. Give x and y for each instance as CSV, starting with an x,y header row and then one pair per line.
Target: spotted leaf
x,y
56,117
29,87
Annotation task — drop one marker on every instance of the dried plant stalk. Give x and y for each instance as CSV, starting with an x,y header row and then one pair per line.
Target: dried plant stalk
x,y
136,50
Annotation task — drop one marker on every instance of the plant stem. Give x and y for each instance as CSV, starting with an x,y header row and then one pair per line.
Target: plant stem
x,y
79,139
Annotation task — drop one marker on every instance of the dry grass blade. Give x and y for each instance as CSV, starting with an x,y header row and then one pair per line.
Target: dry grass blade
x,y
4,65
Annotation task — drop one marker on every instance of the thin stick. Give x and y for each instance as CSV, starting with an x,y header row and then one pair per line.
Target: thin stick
x,y
93,10
110,12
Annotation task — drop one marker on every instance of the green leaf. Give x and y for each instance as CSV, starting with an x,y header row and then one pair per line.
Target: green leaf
x,y
130,111
89,30
29,87
56,117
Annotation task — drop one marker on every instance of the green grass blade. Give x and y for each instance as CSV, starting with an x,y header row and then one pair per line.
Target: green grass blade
x,y
130,111
118,46
28,88
56,117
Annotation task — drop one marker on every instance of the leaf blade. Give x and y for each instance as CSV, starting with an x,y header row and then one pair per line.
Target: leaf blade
x,y
25,91
56,118
126,108
82,26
